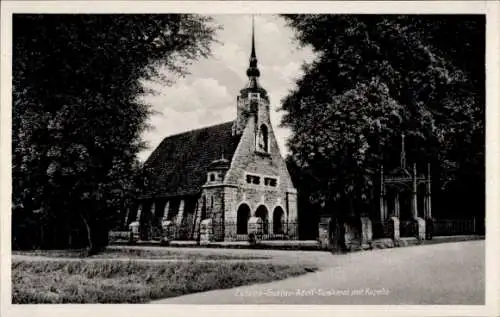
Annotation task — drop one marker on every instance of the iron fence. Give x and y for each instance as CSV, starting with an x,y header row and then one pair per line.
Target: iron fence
x,y
408,228
235,231
439,227
450,227
379,230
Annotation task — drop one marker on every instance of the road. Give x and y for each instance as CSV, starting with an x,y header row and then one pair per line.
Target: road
x,y
439,274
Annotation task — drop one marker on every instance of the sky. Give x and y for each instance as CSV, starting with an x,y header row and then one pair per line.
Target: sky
x,y
207,96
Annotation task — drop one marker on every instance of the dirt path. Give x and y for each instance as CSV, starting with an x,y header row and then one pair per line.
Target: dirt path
x,y
450,274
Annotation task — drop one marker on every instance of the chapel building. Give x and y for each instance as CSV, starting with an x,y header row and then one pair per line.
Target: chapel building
x,y
231,173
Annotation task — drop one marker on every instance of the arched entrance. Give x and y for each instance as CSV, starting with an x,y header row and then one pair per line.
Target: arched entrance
x,y
278,220
263,214
242,216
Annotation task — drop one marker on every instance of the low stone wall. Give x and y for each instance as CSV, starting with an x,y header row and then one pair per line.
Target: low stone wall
x,y
118,236
325,233
304,245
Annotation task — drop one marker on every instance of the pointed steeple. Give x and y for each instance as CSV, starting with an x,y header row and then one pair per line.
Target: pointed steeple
x,y
252,55
252,71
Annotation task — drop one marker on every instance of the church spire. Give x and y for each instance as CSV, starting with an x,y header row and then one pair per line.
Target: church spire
x,y
253,100
252,71
252,55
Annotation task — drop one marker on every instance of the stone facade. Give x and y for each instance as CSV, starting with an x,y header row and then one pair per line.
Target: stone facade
x,y
273,193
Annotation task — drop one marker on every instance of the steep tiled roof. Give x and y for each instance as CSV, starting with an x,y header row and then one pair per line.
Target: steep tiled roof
x,y
179,164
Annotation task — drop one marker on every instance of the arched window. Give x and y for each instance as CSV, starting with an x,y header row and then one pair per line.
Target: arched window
x,y
263,139
242,216
278,220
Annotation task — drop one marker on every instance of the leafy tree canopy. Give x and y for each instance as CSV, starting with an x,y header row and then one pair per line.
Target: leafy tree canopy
x,y
77,119
375,78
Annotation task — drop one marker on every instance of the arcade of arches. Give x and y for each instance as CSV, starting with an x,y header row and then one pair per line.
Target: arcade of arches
x,y
274,226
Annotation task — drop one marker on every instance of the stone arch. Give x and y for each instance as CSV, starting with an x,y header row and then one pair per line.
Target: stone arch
x,y
278,220
242,216
262,213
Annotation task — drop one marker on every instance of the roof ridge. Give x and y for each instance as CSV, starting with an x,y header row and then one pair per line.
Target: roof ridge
x,y
180,161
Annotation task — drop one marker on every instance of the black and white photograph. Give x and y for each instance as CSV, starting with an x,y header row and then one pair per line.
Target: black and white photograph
x,y
250,157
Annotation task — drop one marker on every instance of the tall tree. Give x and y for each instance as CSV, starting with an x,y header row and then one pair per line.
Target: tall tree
x,y
375,78
77,118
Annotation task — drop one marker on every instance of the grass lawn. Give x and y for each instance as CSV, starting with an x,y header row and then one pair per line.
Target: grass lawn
x,y
160,253
80,281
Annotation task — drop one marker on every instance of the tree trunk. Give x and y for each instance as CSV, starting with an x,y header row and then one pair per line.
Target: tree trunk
x,y
340,235
90,245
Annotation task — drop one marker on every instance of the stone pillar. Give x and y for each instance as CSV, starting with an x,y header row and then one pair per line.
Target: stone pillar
x,y
420,234
134,226
393,228
325,229
139,212
428,206
292,213
206,232
179,219
414,206
152,222
383,210
197,219
396,205
255,229
168,230
429,222
366,232
166,210
229,214
127,213
419,222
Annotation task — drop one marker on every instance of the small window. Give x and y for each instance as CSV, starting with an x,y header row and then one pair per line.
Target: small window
x,y
256,180
212,177
269,181
253,96
252,179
